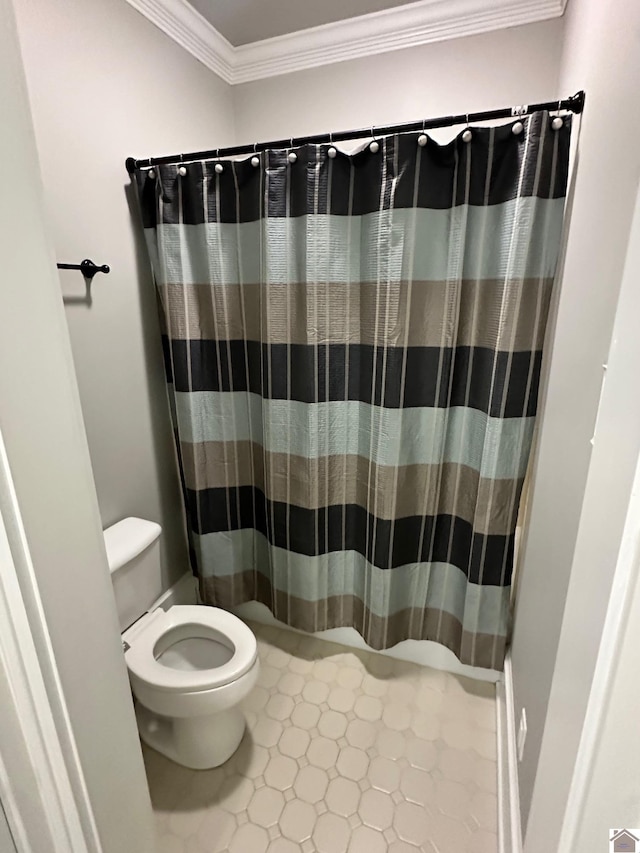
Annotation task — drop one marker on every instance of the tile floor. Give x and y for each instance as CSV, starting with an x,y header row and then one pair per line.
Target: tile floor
x,y
344,751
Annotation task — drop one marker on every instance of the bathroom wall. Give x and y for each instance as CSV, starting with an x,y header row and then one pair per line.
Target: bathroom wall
x,y
105,84
492,70
580,490
42,430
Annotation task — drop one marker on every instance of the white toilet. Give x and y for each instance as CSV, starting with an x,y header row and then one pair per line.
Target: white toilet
x,y
190,666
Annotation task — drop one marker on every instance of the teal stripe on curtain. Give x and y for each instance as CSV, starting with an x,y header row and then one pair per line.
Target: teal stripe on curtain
x,y
209,253
344,573
461,435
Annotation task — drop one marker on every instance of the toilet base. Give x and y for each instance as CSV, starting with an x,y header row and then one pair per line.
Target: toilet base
x,y
197,742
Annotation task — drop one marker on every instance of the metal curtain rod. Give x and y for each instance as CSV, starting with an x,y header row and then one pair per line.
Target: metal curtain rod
x,y
574,104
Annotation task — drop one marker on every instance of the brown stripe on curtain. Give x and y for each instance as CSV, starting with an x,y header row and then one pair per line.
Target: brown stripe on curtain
x,y
346,312
395,492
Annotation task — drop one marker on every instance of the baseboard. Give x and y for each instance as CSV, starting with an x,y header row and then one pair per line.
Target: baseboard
x,y
184,591
509,826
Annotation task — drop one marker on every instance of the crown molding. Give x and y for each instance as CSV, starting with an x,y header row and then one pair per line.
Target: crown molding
x,y
378,32
187,27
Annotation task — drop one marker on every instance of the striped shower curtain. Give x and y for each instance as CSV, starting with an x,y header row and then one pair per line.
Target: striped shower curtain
x,y
353,348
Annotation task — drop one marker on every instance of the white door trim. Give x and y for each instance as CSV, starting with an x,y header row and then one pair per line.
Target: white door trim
x,y
619,611
509,822
41,806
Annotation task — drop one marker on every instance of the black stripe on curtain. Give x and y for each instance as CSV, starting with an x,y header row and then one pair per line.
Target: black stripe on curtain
x,y
435,188
352,528
482,379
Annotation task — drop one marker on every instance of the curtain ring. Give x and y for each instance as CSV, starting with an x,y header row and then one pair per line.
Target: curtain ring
x,y
374,145
556,121
422,139
332,152
466,133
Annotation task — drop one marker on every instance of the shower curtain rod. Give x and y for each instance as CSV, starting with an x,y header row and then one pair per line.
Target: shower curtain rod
x,y
574,104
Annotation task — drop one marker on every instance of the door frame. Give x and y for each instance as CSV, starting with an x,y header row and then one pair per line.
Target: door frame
x,y
42,811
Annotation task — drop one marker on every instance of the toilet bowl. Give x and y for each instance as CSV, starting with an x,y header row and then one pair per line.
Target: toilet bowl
x,y
189,666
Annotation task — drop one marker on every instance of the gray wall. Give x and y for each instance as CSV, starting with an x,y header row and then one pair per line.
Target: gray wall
x,y
41,424
105,84
405,85
601,54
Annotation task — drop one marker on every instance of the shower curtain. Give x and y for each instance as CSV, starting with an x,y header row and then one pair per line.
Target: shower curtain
x,y
353,346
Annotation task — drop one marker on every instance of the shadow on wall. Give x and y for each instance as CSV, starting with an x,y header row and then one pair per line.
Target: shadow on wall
x,y
88,270
87,299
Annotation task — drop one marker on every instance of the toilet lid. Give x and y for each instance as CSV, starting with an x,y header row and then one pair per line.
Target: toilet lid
x,y
157,634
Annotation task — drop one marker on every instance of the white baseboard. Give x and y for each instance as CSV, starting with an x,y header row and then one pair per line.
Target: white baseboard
x,y
184,591
509,826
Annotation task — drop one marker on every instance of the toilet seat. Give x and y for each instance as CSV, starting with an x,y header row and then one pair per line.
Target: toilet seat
x,y
144,637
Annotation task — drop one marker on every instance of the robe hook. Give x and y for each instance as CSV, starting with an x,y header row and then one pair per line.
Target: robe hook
x,y
87,268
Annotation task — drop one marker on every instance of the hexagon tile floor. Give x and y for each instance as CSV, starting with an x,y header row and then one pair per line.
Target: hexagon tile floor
x,y
344,751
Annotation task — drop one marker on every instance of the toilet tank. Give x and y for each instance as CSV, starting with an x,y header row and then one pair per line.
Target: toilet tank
x,y
133,552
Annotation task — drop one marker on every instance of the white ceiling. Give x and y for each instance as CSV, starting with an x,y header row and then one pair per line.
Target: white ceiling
x,y
246,21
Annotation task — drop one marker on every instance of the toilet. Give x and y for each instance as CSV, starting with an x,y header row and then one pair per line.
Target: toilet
x,y
189,665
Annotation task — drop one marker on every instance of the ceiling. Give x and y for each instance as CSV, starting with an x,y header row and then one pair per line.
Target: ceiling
x,y
245,21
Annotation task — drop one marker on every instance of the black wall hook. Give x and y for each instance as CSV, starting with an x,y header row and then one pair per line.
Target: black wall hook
x,y
87,268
